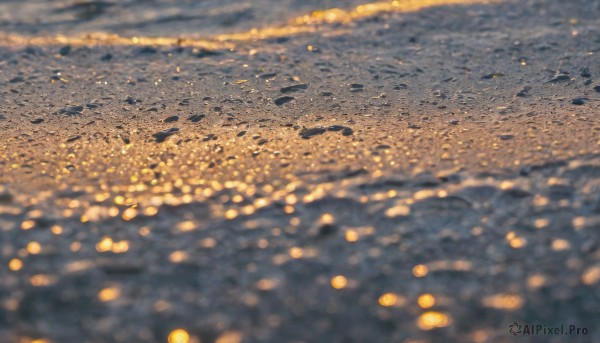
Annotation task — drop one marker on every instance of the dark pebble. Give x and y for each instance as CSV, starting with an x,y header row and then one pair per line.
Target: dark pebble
x,y
282,100
106,57
326,94
71,110
16,80
74,138
65,50
492,76
453,122
524,92
194,118
37,121
207,53
400,86
597,89
585,72
294,88
241,133
506,137
2,117
268,76
92,106
162,135
559,78
171,119
131,101
578,101
308,133
147,50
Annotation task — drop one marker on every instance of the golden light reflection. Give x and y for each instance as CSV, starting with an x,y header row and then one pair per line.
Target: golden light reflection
x,y
296,252
15,264
109,294
432,320
179,336
426,300
230,337
420,270
391,299
339,282
301,24
591,276
503,301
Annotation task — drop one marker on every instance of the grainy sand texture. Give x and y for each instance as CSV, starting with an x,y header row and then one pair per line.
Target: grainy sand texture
x,y
299,171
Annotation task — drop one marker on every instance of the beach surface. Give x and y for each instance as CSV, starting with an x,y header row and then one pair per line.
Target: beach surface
x,y
299,171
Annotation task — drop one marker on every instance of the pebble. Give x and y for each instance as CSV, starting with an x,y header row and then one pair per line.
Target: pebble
x,y
194,118
326,94
131,101
294,88
356,87
597,89
65,50
162,135
71,110
308,133
585,72
16,80
559,77
492,76
578,101
506,137
37,121
74,138
282,100
171,119
346,131
106,57
2,117
268,76
524,92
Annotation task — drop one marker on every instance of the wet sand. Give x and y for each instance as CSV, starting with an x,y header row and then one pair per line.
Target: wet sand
x,y
403,176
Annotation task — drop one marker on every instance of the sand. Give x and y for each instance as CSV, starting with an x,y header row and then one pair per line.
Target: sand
x,y
407,175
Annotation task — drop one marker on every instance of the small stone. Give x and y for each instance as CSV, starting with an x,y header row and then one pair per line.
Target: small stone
x,y
578,101
506,137
71,110
147,50
171,119
523,92
164,134
597,88
559,77
2,117
194,118
65,50
131,101
453,122
585,72
294,88
308,133
74,138
326,94
282,100
16,80
106,57
492,76
37,121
